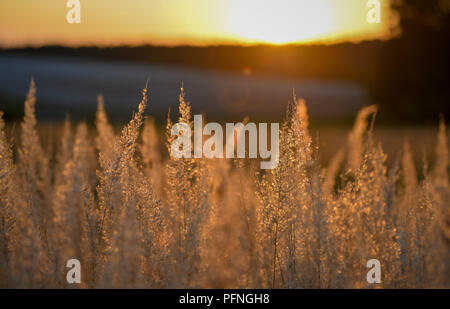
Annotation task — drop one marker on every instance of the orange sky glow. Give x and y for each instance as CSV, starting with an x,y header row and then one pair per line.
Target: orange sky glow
x,y
194,22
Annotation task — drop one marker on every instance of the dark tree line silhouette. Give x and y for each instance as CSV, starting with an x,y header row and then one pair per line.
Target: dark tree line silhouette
x,y
412,81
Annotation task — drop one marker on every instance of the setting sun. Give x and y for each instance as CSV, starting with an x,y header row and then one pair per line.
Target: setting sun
x,y
280,22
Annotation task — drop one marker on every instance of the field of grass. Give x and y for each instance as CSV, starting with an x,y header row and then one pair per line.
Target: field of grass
x,y
137,217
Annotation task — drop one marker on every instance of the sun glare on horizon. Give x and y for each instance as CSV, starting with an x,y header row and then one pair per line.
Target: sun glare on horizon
x,y
280,22
302,21
194,22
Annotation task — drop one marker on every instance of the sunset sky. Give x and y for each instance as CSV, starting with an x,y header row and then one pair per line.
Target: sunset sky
x,y
197,22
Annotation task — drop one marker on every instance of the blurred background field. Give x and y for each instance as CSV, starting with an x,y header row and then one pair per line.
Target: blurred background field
x,y
71,85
